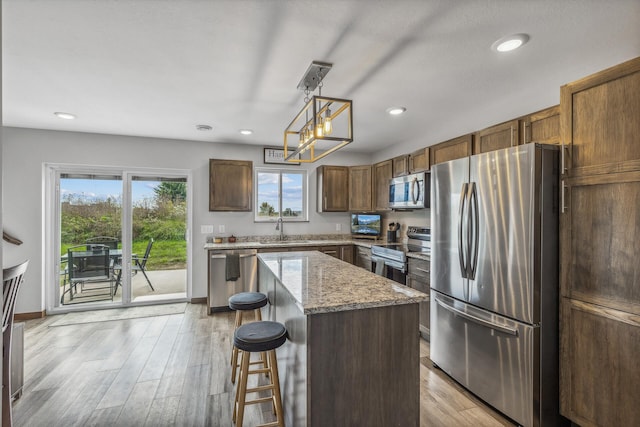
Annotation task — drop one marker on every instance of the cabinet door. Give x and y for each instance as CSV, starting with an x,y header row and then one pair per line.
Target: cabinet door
x,y
333,189
230,185
419,161
418,278
346,253
599,374
401,165
360,188
382,173
333,251
599,121
363,257
496,137
542,127
456,148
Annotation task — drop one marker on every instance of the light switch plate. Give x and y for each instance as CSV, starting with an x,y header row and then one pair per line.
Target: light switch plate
x,y
206,229
221,229
338,227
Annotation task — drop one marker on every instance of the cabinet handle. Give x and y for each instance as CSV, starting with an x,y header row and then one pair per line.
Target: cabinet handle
x,y
563,168
331,252
524,132
563,208
423,270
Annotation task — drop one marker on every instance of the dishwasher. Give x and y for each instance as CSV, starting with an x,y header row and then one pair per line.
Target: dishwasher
x,y
220,289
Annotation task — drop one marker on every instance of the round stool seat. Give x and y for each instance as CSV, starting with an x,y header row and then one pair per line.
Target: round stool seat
x,y
260,336
247,301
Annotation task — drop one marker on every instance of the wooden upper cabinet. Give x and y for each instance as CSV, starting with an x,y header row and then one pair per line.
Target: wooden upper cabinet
x,y
496,137
542,126
401,165
382,173
230,185
419,160
455,148
360,188
599,120
332,188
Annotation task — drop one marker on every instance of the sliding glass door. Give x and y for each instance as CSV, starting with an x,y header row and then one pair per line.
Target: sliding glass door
x,y
120,237
158,244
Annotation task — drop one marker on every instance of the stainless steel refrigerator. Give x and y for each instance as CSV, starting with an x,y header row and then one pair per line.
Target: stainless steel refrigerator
x,y
494,278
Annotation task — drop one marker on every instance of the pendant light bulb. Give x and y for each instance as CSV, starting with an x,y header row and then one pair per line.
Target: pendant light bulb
x,y
328,126
319,128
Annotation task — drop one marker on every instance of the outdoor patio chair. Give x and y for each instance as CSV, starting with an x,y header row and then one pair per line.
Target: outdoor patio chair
x,y
89,267
137,264
110,242
12,278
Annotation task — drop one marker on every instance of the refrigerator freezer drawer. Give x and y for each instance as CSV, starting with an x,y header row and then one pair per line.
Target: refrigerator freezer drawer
x,y
490,355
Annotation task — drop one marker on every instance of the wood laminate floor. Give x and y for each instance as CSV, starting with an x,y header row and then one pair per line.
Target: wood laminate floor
x,y
172,370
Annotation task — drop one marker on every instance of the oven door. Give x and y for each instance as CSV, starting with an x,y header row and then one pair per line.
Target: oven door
x,y
390,269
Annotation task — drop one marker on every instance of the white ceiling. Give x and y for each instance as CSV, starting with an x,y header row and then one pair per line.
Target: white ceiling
x,y
159,68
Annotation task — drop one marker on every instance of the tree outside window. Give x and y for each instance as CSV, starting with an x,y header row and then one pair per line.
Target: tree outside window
x,y
281,192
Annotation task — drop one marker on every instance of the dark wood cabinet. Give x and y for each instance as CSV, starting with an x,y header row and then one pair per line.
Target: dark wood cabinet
x,y
400,165
360,188
382,173
599,235
333,188
496,137
342,252
230,185
455,148
419,278
542,126
363,257
419,160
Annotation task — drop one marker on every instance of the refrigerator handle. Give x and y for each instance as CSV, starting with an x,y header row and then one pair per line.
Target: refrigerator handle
x,y
474,319
474,219
461,257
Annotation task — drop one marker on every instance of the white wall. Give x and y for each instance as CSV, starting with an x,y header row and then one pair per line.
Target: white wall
x,y
25,151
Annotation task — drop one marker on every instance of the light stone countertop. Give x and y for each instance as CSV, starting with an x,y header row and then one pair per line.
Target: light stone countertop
x,y
320,283
290,243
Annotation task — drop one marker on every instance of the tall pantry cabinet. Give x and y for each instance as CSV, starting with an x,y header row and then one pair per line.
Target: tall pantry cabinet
x,y
600,248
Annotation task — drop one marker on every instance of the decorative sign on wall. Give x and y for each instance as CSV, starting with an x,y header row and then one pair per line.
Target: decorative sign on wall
x,y
276,156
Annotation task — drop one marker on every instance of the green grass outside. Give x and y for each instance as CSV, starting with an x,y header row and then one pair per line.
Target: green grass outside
x,y
165,254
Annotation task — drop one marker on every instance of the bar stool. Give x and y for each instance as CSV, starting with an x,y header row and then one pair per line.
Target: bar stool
x,y
244,302
255,337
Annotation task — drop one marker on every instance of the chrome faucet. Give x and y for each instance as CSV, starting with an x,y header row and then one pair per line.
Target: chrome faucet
x,y
280,226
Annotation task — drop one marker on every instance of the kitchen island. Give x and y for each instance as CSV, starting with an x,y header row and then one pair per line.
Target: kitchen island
x,y
352,356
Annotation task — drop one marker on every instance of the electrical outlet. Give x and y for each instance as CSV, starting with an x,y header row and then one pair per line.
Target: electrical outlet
x,y
221,229
206,229
338,227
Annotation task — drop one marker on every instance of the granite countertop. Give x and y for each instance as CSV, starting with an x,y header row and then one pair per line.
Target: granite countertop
x,y
290,243
320,283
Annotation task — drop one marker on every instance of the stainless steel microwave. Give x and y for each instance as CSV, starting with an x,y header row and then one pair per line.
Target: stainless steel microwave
x,y
410,191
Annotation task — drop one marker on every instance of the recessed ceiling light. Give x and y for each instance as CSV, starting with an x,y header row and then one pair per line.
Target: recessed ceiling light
x,y
509,43
395,111
246,131
204,128
66,116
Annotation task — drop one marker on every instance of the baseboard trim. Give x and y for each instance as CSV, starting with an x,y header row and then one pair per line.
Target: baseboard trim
x,y
199,300
29,316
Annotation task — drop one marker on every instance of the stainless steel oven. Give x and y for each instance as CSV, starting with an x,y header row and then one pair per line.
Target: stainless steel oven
x,y
390,260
